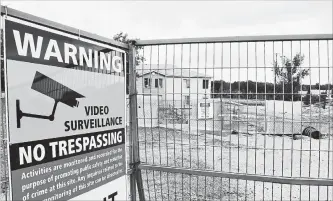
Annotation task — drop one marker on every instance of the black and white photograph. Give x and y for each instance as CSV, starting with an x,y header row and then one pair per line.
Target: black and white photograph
x,y
166,100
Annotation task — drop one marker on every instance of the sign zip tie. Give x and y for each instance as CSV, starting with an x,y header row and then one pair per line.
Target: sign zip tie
x,y
130,95
135,165
6,12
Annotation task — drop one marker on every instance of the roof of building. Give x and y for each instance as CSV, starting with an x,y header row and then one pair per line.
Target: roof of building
x,y
169,70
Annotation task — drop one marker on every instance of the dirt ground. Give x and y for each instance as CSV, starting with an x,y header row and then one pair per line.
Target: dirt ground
x,y
236,153
252,154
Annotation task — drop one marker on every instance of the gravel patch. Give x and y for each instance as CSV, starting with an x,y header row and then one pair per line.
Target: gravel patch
x,y
239,153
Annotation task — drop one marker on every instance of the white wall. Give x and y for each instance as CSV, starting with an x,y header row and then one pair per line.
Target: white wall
x,y
147,111
175,87
290,117
152,90
286,109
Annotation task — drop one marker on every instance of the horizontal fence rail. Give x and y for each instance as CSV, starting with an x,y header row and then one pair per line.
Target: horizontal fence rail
x,y
261,178
236,39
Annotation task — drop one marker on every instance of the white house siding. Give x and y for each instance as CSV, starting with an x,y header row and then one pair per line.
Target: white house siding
x,y
152,90
176,88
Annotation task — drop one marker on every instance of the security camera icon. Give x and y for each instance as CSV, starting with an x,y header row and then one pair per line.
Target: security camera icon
x,y
53,89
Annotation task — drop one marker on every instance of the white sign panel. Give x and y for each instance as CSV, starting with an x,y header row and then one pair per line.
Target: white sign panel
x,y
205,109
66,110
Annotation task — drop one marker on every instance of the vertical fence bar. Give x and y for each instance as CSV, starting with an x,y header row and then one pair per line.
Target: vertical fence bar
x,y
2,134
265,117
166,120
213,105
292,121
4,156
140,185
3,161
274,117
205,90
189,118
247,113
319,153
135,177
173,114
144,120
283,121
231,121
222,118
158,113
238,117
132,103
197,117
181,113
329,114
300,157
256,131
310,152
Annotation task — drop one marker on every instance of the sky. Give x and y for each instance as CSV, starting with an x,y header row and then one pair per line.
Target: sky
x,y
179,19
187,19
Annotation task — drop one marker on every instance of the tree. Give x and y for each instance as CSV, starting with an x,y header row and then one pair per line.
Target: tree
x,y
317,86
123,38
289,75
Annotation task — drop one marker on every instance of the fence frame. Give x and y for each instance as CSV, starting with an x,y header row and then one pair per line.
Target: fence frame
x,y
238,176
136,176
230,39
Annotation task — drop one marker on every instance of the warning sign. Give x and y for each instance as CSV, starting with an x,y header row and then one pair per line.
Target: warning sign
x,y
66,111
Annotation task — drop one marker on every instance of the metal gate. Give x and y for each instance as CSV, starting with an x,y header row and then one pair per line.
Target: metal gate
x,y
223,118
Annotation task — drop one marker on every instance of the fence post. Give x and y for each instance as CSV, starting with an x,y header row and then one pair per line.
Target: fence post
x,y
3,142
135,177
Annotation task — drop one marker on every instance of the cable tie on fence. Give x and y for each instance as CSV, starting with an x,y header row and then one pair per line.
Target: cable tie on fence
x,y
132,42
6,11
135,165
132,94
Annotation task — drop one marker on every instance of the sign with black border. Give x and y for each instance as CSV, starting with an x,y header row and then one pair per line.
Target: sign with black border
x,y
66,115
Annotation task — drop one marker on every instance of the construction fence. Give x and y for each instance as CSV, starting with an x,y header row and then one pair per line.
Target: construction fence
x,y
241,136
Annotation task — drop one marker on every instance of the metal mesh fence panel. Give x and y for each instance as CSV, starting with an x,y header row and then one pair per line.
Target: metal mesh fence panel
x,y
225,120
